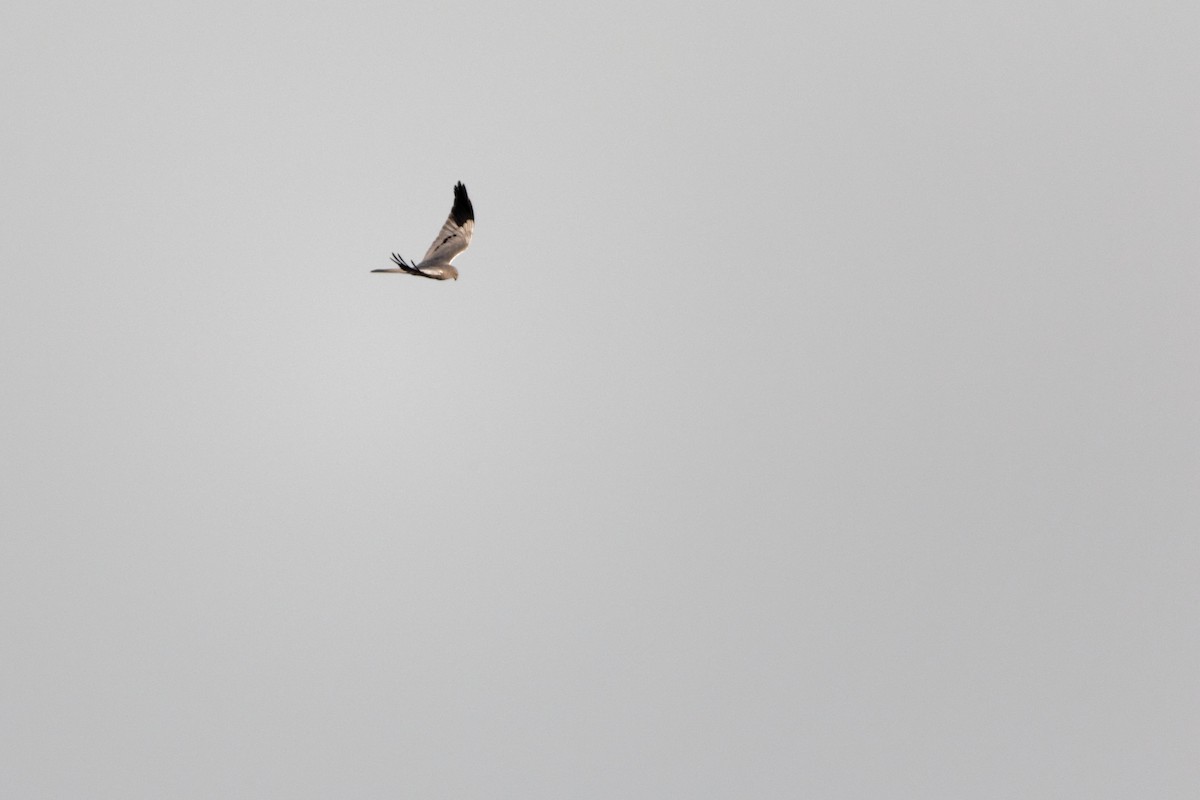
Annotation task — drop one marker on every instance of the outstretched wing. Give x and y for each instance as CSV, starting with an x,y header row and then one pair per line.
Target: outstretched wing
x,y
455,234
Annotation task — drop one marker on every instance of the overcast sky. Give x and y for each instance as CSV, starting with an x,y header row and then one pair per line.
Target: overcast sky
x,y
815,416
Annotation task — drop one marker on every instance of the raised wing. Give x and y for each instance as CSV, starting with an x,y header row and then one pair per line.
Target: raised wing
x,y
455,234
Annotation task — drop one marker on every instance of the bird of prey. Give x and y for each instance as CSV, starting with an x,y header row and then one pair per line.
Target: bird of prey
x,y
454,238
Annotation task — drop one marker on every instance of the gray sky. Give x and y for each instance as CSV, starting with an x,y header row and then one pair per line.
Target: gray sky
x,y
815,416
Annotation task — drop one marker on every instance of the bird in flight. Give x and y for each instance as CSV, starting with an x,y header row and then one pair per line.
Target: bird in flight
x,y
454,238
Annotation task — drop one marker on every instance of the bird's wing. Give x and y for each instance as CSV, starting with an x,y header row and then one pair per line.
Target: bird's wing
x,y
455,234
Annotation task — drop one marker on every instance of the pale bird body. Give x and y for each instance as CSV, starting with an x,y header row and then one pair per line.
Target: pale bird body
x,y
453,239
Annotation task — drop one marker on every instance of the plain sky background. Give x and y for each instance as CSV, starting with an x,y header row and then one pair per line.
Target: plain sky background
x,y
816,415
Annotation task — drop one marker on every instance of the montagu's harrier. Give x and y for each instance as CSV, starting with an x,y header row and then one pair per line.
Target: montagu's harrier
x,y
454,238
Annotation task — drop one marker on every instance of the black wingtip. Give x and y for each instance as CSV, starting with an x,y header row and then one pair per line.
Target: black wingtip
x,y
404,265
463,210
